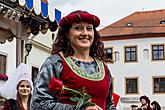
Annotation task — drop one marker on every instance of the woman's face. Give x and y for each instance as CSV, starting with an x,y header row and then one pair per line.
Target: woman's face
x,y
81,36
153,106
24,88
143,102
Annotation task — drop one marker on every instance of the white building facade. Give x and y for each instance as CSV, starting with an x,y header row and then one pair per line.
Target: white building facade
x,y
41,49
8,58
138,69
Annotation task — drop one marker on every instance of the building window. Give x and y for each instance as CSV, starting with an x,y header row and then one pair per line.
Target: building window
x,y
131,54
128,24
3,75
34,73
159,85
131,85
2,64
109,54
157,52
162,22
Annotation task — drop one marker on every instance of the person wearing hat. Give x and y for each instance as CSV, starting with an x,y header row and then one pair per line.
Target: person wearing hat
x,y
17,90
134,107
145,103
77,60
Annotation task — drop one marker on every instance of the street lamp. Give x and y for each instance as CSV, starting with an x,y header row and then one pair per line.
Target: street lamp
x,y
28,47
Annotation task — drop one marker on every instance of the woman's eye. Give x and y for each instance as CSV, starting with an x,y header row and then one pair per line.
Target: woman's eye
x,y
27,86
22,85
89,28
79,28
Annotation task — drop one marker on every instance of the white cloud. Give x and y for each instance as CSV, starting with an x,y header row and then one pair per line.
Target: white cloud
x,y
109,11
64,2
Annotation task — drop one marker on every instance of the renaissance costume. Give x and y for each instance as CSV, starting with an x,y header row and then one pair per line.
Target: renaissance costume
x,y
75,74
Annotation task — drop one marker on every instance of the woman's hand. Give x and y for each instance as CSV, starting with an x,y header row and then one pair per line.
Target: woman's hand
x,y
96,107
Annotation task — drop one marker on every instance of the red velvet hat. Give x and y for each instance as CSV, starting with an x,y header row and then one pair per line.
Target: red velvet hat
x,y
78,16
146,98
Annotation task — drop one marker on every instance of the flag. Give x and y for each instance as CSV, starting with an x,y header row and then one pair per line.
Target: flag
x,y
116,98
57,15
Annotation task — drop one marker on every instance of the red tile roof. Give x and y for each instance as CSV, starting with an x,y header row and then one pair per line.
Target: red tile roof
x,y
143,22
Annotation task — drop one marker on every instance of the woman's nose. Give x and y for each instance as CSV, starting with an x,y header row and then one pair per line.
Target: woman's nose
x,y
84,32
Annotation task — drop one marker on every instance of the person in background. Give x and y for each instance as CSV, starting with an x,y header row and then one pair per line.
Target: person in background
x,y
145,103
17,89
23,97
155,105
134,107
77,60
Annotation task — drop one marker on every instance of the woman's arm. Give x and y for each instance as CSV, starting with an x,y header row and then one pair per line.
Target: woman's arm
x,y
42,98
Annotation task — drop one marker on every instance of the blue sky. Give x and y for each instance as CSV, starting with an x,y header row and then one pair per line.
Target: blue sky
x,y
109,11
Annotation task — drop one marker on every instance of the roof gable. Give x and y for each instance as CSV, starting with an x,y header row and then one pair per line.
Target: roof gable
x,y
143,22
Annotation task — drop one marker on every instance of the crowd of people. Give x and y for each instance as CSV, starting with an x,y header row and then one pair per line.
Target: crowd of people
x,y
77,62
146,104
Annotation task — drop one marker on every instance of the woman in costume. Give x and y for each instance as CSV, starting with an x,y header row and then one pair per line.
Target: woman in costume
x,y
18,98
23,97
77,60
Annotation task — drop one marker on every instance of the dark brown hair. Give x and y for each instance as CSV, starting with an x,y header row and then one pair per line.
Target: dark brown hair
x,y
157,106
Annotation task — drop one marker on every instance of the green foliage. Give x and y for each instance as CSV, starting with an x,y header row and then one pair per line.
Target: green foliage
x,y
74,99
80,103
83,101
